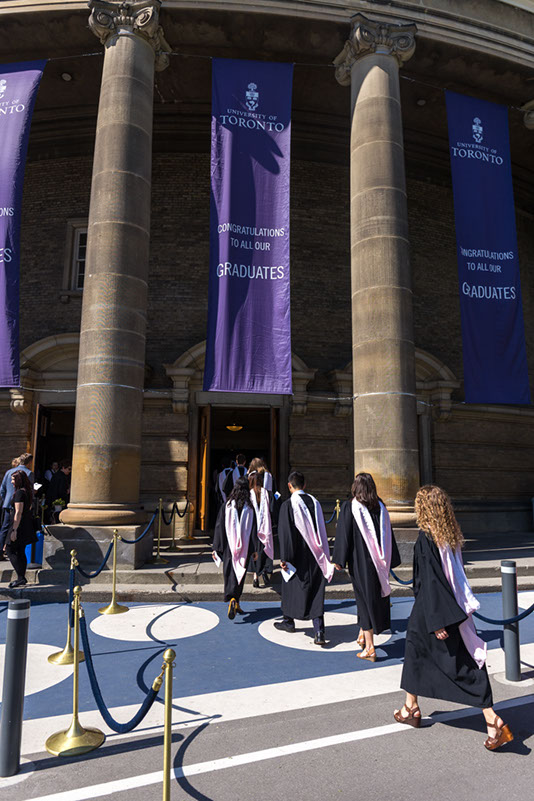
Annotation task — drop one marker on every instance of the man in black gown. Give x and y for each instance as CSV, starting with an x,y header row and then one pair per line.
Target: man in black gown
x,y
303,594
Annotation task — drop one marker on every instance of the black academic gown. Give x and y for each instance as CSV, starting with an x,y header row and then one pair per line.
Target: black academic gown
x,y
435,668
374,612
229,481
264,564
303,594
232,588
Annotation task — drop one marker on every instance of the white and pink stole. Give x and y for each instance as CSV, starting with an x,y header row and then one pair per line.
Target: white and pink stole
x,y
453,567
380,552
238,535
263,521
222,478
315,538
268,481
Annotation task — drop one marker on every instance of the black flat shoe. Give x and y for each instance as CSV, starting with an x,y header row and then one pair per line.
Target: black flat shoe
x,y
282,625
18,583
319,639
256,583
267,578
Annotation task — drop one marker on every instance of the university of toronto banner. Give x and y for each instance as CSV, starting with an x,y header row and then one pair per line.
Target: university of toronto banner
x,y
18,89
493,337
249,333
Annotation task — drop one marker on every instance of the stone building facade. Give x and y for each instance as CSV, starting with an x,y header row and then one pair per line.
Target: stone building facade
x,y
378,381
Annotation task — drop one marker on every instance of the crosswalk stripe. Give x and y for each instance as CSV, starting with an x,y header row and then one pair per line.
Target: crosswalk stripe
x,y
135,782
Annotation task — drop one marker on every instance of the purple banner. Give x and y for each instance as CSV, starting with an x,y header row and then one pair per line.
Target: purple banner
x,y
18,89
493,338
249,328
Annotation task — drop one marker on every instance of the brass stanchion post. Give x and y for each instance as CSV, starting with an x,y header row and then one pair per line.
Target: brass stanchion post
x,y
75,740
159,560
173,548
338,508
190,535
66,656
113,608
168,663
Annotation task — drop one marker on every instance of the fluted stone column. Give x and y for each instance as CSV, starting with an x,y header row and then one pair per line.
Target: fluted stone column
x,y
107,437
385,414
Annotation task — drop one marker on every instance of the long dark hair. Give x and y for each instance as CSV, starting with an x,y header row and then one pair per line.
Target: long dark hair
x,y
21,481
240,493
364,490
255,482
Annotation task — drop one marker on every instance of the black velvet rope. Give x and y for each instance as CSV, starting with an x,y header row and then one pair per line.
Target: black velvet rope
x,y
410,581
174,510
147,529
100,569
120,728
508,620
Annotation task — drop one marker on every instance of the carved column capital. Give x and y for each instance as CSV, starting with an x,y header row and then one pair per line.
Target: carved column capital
x,y
368,36
109,17
528,116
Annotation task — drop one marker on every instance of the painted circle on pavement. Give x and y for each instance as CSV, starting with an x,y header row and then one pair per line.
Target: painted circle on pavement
x,y
525,599
40,674
152,623
341,631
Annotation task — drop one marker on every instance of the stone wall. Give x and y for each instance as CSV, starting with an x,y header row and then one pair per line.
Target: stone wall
x,y
475,454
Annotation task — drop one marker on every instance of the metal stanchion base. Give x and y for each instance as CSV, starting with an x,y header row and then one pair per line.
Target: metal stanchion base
x,y
113,609
65,657
159,560
74,741
173,549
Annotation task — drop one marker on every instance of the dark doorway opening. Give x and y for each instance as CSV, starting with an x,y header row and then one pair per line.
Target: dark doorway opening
x,y
257,435
54,437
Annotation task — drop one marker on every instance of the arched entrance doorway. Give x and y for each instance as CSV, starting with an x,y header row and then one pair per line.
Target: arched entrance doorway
x,y
222,424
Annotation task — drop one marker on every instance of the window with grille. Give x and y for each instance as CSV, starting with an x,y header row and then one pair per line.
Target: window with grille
x,y
78,258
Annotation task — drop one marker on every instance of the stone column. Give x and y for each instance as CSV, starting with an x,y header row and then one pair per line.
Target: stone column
x,y
385,414
107,436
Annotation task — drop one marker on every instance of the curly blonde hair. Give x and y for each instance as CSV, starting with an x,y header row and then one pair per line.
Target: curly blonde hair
x,y
435,516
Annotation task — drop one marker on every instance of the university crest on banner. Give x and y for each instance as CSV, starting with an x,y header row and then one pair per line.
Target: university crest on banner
x,y
493,337
249,335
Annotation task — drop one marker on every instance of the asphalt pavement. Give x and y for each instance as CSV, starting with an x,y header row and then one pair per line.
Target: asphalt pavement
x,y
260,714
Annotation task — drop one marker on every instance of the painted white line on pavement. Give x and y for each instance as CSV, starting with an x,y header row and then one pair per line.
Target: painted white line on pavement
x,y
134,782
247,702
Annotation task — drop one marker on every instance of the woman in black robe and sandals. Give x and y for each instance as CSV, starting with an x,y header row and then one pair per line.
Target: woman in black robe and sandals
x,y
365,541
445,658
235,542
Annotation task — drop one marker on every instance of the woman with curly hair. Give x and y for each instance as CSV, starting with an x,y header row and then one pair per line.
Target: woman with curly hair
x,y
235,542
445,658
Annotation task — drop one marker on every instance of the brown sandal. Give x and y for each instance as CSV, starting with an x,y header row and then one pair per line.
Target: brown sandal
x,y
361,641
412,719
369,655
503,735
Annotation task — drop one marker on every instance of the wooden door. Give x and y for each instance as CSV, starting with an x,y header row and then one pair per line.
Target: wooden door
x,y
204,463
274,465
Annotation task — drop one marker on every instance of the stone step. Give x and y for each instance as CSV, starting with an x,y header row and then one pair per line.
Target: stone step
x,y
170,593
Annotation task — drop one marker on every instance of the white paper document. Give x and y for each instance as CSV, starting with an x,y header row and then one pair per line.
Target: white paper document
x,y
216,558
288,572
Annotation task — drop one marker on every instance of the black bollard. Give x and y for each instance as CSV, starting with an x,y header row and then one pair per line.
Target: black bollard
x,y
511,630
18,618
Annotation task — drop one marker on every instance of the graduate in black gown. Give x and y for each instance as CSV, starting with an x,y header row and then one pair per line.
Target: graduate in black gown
x,y
366,543
303,544
444,656
259,476
235,541
239,471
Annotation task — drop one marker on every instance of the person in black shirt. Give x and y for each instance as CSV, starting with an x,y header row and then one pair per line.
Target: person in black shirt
x,y
21,532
